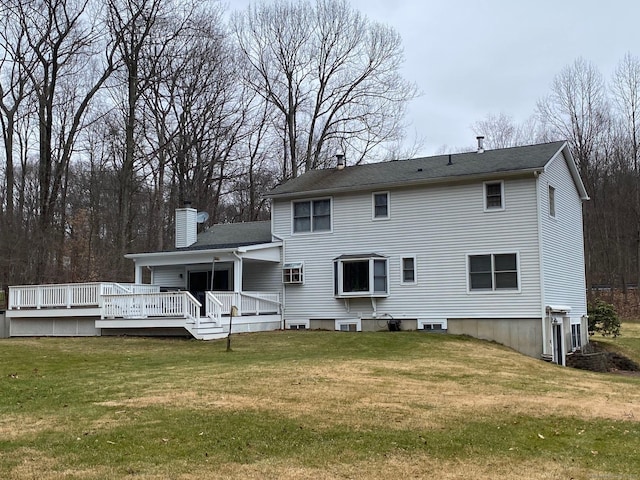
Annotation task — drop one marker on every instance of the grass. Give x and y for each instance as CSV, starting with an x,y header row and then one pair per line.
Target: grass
x,y
310,405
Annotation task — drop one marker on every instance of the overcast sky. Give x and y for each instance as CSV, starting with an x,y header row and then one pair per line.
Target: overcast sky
x,y
471,58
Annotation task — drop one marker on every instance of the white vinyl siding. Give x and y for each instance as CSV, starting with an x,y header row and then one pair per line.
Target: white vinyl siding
x,y
173,277
442,224
261,276
562,245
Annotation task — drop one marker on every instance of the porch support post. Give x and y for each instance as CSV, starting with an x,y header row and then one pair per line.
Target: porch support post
x,y
237,281
237,275
138,274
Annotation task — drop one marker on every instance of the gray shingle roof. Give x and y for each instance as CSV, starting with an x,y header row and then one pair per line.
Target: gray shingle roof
x,y
231,235
421,170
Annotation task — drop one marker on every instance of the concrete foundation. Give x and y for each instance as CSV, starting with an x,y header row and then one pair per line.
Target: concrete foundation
x,y
523,335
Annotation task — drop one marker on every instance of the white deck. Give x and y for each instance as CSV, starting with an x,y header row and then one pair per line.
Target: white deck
x,y
137,306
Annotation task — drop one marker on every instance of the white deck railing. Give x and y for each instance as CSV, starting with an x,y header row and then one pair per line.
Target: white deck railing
x,y
68,295
144,305
126,300
249,303
213,307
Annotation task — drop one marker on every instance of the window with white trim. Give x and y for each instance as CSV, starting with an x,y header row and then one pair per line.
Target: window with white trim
x,y
491,272
576,339
552,201
312,216
493,196
361,276
380,205
292,273
408,273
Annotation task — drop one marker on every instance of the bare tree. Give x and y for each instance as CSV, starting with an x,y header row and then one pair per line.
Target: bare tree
x,y
501,131
626,94
332,74
577,110
58,43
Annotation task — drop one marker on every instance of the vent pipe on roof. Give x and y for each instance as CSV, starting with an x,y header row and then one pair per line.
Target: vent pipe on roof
x,y
340,162
480,139
450,162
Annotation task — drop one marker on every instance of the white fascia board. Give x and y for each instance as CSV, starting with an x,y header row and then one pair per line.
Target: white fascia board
x,y
267,254
154,259
573,169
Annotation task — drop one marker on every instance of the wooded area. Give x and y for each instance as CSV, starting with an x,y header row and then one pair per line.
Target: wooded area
x,y
114,112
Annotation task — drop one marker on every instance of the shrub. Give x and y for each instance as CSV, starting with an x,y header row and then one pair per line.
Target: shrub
x,y
603,319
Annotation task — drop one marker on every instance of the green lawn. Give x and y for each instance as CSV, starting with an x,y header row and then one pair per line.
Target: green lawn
x,y
310,405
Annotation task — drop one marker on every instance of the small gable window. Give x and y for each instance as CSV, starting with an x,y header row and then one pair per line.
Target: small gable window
x,y
312,216
493,196
552,201
380,205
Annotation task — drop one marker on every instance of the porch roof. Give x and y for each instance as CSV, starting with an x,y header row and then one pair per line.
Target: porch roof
x,y
249,240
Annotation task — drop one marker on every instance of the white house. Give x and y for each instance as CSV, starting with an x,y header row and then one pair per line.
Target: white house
x,y
488,243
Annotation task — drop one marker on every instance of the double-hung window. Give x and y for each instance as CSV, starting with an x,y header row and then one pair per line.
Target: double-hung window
x,y
380,205
312,216
361,276
494,196
493,272
408,267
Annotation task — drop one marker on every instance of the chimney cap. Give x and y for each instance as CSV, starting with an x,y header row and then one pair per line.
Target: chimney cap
x,y
340,161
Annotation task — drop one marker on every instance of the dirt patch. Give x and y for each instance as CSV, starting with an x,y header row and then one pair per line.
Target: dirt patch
x,y
399,466
13,427
401,400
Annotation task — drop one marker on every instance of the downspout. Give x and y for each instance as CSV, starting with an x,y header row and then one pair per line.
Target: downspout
x,y
543,307
284,287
